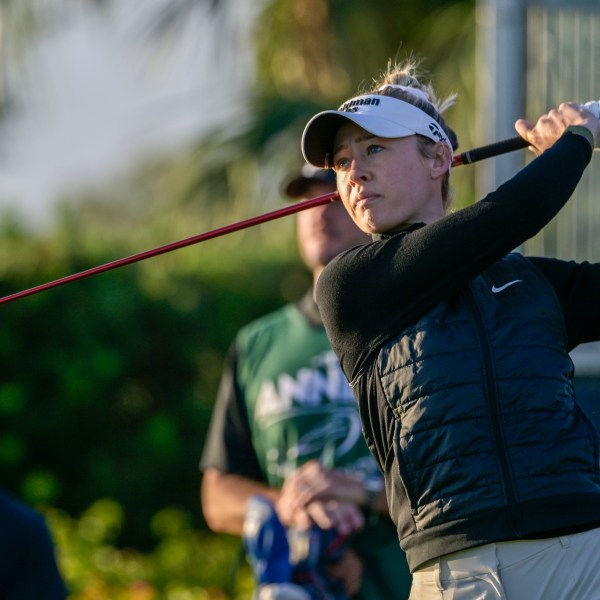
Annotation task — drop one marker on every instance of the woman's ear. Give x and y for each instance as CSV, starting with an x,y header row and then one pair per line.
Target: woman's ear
x,y
442,158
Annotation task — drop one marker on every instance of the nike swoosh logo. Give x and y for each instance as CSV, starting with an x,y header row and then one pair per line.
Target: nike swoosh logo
x,y
503,287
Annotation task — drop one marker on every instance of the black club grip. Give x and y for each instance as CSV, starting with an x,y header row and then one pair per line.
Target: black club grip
x,y
495,149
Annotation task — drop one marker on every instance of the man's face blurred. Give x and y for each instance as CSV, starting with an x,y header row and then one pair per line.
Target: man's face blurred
x,y
325,231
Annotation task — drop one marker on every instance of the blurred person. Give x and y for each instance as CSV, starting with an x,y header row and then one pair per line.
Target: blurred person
x,y
28,567
285,460
457,347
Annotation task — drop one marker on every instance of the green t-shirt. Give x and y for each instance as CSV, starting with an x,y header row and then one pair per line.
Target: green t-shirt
x,y
283,401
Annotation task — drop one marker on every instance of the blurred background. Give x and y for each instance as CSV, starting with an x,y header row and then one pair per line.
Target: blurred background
x,y
126,125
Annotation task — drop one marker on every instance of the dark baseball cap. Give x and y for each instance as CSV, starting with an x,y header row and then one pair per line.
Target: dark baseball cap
x,y
309,175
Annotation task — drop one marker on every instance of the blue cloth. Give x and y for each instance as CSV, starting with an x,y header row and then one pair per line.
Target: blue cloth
x,y
294,556
266,543
28,567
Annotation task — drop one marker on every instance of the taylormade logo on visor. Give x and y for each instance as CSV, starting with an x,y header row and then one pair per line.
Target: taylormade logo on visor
x,y
435,130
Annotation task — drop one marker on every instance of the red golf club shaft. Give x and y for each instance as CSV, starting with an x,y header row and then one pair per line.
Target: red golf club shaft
x,y
465,158
121,262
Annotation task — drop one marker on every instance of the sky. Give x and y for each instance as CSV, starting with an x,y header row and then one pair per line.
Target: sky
x,y
92,96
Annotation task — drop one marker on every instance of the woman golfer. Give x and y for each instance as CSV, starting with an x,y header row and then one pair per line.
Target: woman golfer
x,y
457,347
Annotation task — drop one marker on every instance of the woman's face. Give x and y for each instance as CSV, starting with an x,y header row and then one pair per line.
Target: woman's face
x,y
386,184
325,231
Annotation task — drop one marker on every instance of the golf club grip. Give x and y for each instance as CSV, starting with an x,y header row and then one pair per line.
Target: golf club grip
x,y
501,147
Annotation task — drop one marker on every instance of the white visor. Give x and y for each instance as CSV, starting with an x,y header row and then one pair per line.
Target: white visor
x,y
383,116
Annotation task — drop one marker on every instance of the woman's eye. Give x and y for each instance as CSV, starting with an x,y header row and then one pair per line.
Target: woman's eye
x,y
341,164
374,149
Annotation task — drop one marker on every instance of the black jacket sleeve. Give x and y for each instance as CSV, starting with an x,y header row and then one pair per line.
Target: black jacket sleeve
x,y
578,288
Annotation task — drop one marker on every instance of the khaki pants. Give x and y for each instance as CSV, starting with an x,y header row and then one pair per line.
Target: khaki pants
x,y
560,568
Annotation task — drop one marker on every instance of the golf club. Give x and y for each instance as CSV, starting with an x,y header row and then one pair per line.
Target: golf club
x,y
467,157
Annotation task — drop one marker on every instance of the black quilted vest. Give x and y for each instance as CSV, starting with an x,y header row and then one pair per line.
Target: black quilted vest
x,y
488,442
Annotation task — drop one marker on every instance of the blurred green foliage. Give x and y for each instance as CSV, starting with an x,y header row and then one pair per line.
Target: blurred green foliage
x,y
107,384
106,389
185,564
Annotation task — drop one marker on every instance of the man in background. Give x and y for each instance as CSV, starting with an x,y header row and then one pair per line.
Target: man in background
x,y
285,427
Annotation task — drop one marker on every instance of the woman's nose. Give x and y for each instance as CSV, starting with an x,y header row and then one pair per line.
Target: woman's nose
x,y
357,173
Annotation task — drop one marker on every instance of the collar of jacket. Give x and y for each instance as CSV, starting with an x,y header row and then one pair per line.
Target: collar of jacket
x,y
377,237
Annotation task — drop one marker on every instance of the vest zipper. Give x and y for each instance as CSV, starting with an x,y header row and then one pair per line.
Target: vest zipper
x,y
491,398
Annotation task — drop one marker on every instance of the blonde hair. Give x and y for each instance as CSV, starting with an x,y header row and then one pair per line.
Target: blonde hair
x,y
409,74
